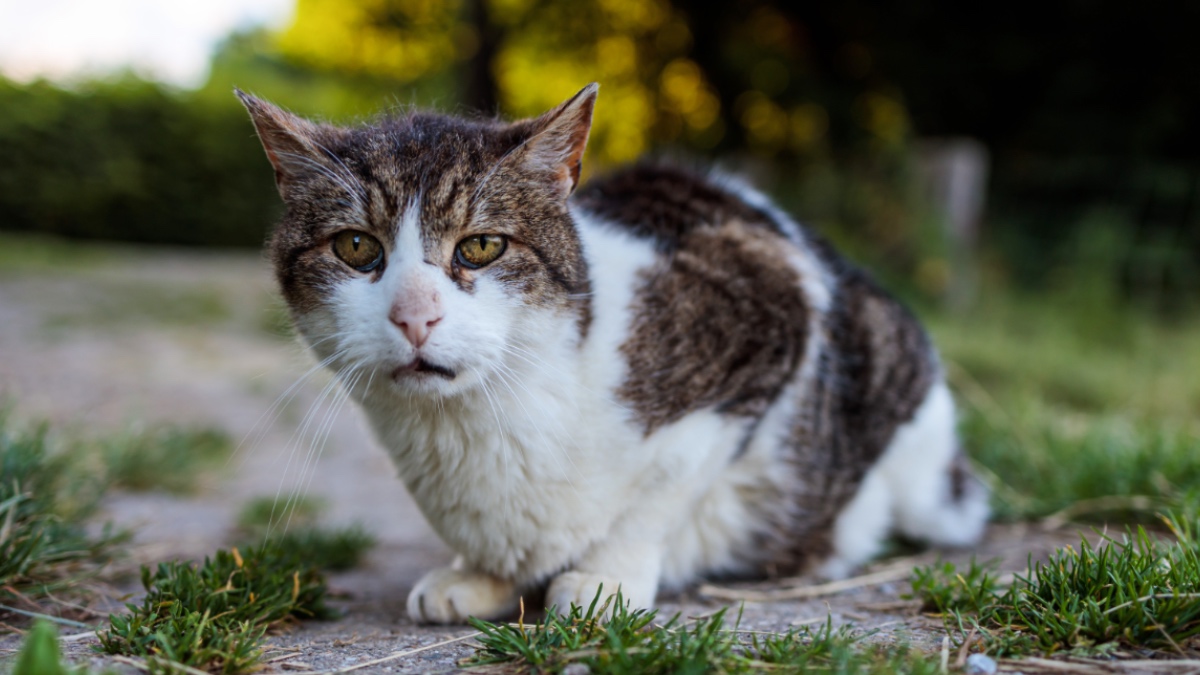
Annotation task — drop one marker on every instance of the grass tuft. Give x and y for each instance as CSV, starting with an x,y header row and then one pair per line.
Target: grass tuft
x,y
298,533
213,615
1136,592
630,641
943,588
43,501
163,458
334,549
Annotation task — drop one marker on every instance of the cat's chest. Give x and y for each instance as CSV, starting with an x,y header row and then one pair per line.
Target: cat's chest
x,y
518,492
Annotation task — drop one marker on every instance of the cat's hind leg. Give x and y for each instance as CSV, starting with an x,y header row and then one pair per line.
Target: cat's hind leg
x,y
935,498
861,528
451,594
921,487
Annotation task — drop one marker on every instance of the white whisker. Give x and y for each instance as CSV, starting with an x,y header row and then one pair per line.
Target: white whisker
x,y
552,447
272,413
300,433
322,439
503,443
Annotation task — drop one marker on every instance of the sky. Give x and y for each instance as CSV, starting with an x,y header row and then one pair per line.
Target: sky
x,y
168,40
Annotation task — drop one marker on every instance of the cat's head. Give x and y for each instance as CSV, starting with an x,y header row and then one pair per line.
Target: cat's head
x,y
429,250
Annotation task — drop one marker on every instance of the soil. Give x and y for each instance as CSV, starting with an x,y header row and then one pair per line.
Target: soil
x,y
149,336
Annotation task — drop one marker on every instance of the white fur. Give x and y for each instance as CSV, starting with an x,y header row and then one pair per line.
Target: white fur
x,y
908,489
528,466
915,469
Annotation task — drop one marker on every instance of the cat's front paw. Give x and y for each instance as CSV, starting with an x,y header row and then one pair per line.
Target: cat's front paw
x,y
447,595
581,588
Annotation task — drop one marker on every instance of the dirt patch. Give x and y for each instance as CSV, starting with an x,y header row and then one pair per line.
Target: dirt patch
x,y
101,348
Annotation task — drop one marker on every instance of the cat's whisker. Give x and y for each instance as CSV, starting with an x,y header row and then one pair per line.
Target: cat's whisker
x,y
300,433
540,366
540,363
316,445
323,440
291,502
336,335
552,446
271,414
367,387
350,175
353,190
503,444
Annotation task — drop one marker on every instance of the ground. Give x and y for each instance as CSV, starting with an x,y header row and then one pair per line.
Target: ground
x,y
133,336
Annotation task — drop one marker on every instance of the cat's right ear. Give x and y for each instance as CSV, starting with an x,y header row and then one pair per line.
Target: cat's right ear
x,y
560,138
290,141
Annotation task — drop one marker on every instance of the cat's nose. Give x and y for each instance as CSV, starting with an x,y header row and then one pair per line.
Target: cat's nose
x,y
416,320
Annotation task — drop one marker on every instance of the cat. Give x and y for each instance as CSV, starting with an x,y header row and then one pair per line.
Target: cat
x,y
658,378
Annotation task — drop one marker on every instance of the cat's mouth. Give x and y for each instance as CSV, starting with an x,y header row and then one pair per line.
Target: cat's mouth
x,y
419,366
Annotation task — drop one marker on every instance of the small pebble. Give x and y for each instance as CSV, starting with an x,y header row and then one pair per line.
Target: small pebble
x,y
576,669
980,664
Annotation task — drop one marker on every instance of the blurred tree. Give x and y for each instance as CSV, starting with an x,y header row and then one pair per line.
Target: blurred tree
x,y
1086,107
708,77
130,160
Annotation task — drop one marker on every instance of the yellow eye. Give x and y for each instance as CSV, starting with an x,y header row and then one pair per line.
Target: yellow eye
x,y
358,250
480,249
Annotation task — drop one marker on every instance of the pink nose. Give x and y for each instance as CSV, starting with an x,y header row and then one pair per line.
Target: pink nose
x,y
416,320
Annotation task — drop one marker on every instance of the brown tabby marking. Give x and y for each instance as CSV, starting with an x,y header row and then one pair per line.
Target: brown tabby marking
x,y
960,477
721,319
719,322
666,202
876,370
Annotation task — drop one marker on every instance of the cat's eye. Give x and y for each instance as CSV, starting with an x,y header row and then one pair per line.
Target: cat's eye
x,y
480,249
358,250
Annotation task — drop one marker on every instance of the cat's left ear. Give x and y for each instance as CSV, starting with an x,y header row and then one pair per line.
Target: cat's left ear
x,y
561,137
289,140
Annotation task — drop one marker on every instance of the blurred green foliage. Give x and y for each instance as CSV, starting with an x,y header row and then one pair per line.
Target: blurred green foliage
x,y
1093,158
130,160
1070,396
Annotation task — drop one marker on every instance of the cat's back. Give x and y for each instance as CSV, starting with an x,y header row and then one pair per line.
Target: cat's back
x,y
724,300
668,203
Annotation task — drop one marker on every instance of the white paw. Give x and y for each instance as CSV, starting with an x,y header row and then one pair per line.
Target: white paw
x,y
835,569
581,588
447,595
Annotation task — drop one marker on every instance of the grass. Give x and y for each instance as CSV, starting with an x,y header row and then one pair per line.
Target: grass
x,y
119,304
1067,399
50,486
1101,467
211,615
43,503
943,588
40,654
1136,592
165,458
295,528
633,641
24,253
214,615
